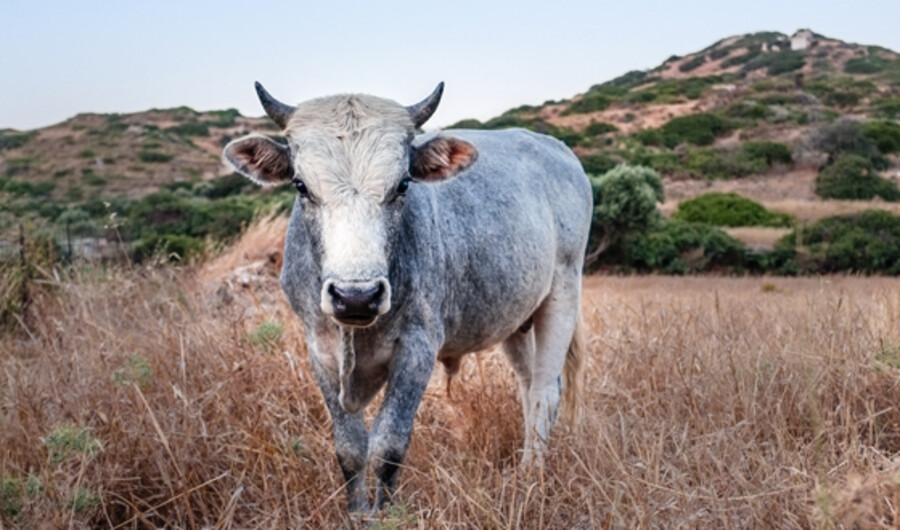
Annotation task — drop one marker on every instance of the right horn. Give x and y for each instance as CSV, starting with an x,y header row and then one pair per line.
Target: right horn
x,y
421,111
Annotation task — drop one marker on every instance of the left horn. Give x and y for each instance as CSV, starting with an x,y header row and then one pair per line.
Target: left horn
x,y
421,111
278,111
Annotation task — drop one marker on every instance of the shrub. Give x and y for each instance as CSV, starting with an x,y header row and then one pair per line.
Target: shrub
x,y
719,53
26,187
888,107
599,127
173,247
590,102
772,152
786,61
885,134
866,242
154,156
847,137
735,60
870,64
728,209
624,201
841,91
721,164
469,123
697,129
223,118
597,164
87,153
677,247
10,139
670,89
853,177
190,128
693,64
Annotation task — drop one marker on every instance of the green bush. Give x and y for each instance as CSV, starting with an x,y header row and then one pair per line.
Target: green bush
x,y
190,128
677,247
841,91
871,64
667,90
847,137
728,209
597,164
744,58
888,107
173,247
10,139
624,201
87,153
590,102
867,242
154,156
469,123
853,177
223,118
697,129
776,62
693,64
714,164
771,152
25,187
599,127
885,134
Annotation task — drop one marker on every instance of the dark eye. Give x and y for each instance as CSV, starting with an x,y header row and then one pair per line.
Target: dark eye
x,y
403,186
301,188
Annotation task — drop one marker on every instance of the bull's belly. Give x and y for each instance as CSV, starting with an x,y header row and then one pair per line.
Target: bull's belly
x,y
489,323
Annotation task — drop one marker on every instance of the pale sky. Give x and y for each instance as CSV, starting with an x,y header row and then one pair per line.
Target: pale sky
x,y
60,58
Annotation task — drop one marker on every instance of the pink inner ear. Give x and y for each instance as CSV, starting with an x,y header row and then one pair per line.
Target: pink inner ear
x,y
442,158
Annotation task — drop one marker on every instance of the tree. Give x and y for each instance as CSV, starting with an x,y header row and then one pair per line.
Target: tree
x,y
625,200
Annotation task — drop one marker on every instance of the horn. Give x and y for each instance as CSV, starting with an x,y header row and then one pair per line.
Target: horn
x,y
278,111
421,111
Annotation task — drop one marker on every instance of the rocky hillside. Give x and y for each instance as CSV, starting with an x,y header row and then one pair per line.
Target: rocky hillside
x,y
760,114
746,107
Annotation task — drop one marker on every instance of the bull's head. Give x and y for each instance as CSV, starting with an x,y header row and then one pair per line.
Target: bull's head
x,y
352,161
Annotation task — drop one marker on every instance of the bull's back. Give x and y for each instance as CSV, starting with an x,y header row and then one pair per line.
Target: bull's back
x,y
507,224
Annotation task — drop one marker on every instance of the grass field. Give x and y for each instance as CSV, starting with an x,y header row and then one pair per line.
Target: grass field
x,y
146,398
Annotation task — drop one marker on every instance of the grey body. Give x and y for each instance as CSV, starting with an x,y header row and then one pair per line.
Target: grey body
x,y
403,251
475,258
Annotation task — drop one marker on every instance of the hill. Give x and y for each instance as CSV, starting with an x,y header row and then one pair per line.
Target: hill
x,y
757,114
745,108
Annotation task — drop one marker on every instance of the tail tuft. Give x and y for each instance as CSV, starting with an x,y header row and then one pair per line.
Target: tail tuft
x,y
572,373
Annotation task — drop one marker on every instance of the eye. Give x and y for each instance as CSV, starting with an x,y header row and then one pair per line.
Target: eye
x,y
403,186
301,188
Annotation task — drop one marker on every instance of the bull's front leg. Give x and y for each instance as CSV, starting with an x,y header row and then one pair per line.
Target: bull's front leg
x,y
390,434
350,438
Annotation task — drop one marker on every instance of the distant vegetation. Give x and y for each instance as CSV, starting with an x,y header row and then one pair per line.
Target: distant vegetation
x,y
728,209
854,177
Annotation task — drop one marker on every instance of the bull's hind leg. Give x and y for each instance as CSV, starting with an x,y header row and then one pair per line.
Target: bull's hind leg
x,y
519,349
554,329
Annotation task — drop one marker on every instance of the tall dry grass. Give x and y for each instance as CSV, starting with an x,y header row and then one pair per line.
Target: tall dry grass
x,y
182,399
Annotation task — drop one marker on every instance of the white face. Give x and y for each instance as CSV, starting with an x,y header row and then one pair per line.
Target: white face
x,y
352,185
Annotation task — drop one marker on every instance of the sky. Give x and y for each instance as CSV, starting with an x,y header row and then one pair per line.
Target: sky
x,y
60,58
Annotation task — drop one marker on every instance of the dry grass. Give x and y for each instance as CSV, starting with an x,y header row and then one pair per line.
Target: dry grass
x,y
710,402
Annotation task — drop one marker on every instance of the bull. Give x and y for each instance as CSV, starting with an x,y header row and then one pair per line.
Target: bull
x,y
404,250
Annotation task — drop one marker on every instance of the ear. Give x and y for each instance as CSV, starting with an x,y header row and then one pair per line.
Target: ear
x,y
261,159
441,158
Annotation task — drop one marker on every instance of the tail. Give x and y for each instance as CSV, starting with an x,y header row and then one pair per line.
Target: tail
x,y
572,370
